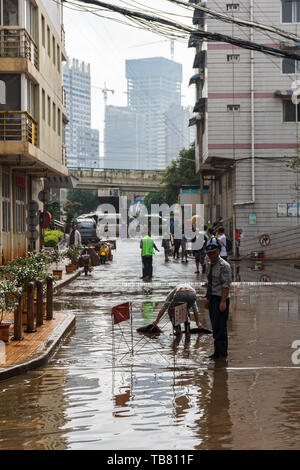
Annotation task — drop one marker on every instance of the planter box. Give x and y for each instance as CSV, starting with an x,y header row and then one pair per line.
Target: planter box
x,y
70,268
58,273
4,331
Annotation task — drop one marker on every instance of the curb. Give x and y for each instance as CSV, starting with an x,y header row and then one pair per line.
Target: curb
x,y
67,281
51,344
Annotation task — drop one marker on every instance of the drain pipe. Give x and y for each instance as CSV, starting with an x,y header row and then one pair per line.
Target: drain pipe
x,y
252,201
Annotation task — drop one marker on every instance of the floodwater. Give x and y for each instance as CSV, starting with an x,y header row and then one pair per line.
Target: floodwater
x,y
96,394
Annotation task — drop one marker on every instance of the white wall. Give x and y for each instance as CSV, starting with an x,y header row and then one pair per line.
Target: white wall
x,y
54,12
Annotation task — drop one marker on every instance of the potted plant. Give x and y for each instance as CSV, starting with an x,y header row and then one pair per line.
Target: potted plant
x,y
56,257
9,292
73,254
24,270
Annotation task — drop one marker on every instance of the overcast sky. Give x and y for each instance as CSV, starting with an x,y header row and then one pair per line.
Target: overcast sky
x,y
106,45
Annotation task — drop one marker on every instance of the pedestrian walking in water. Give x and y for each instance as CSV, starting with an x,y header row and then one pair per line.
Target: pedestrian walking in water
x,y
147,246
183,293
166,245
217,297
222,239
200,240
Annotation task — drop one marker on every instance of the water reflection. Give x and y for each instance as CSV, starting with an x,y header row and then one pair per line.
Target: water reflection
x,y
167,394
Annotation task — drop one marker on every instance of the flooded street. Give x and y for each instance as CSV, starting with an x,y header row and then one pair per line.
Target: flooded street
x,y
166,395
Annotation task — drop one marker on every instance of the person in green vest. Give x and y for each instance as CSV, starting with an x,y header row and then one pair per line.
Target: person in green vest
x,y
147,246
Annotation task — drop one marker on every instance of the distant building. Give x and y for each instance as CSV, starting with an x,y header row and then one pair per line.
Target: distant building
x,y
82,142
123,138
153,128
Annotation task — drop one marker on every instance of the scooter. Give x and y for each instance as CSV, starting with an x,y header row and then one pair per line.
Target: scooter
x,y
86,260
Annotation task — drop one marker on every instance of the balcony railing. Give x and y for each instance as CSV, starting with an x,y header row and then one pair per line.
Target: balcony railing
x,y
18,126
18,43
64,155
63,96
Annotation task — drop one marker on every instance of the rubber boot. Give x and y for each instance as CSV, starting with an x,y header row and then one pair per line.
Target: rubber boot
x,y
216,353
223,348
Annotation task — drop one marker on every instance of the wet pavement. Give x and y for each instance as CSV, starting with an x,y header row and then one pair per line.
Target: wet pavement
x,y
94,394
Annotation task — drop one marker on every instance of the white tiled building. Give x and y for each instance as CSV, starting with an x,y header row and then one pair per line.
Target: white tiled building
x,y
246,125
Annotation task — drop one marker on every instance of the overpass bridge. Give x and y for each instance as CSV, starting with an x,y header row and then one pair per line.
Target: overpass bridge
x,y
126,180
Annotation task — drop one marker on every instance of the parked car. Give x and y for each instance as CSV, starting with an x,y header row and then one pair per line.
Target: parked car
x,y
87,229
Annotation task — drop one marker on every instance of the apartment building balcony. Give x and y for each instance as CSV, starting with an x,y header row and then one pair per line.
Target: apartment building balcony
x,y
16,44
17,126
63,43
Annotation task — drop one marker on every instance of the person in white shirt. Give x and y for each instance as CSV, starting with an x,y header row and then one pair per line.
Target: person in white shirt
x,y
222,239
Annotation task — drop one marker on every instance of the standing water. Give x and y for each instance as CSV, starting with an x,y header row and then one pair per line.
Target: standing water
x,y
96,394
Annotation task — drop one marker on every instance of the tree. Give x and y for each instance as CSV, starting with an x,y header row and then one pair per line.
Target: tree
x,y
54,207
88,198
179,173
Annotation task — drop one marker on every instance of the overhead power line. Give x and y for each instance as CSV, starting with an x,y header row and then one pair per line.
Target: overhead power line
x,y
238,21
169,27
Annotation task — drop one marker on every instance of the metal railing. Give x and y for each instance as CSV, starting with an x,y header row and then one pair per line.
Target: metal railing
x,y
16,42
63,155
18,126
63,96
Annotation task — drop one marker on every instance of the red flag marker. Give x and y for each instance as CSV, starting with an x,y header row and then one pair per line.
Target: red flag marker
x,y
121,312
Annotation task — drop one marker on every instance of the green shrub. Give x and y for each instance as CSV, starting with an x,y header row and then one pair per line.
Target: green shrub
x,y
52,237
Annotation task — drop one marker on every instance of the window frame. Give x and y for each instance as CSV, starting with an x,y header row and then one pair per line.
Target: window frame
x,y
6,198
294,12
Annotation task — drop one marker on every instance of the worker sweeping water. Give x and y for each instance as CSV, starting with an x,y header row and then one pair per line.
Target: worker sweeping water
x,y
182,294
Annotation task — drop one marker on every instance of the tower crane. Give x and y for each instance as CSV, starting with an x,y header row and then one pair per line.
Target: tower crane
x,y
172,45
105,92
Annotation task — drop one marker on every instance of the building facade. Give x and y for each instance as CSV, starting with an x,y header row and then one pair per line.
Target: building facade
x,y
32,116
82,142
247,127
123,138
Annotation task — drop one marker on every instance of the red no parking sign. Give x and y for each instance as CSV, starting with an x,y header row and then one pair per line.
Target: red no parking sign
x,y
264,240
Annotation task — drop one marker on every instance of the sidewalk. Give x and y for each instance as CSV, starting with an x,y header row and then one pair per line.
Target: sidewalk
x,y
17,357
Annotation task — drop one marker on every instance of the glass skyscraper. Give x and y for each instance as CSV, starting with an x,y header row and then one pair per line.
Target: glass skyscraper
x,y
82,142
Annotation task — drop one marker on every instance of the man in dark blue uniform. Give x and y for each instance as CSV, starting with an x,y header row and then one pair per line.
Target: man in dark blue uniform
x,y
217,297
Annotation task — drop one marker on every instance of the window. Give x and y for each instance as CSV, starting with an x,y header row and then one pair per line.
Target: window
x,y
48,41
43,32
2,92
290,66
30,18
53,49
232,6
20,204
233,57
233,108
5,203
49,111
30,97
58,122
290,11
43,105
54,116
289,111
58,58
10,9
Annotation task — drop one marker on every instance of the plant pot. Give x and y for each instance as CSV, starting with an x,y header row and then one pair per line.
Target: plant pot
x,y
4,331
70,268
58,273
75,264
